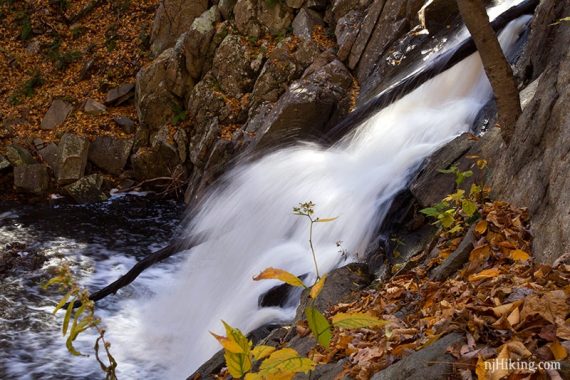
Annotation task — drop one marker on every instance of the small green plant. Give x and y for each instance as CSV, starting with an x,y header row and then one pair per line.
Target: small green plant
x,y
77,321
180,114
25,28
460,209
240,355
35,81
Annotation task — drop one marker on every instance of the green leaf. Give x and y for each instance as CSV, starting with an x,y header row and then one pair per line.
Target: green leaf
x,y
446,219
62,302
285,361
452,169
261,351
357,320
460,176
430,211
319,325
469,207
238,364
281,275
66,318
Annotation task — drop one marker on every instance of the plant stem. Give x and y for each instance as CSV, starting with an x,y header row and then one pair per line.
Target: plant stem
x,y
312,248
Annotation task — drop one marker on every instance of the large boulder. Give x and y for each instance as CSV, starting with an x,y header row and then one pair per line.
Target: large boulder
x,y
160,88
18,155
533,170
173,18
87,189
72,158
305,22
32,178
110,153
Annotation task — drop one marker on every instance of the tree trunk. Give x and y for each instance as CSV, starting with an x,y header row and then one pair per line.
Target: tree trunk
x,y
496,66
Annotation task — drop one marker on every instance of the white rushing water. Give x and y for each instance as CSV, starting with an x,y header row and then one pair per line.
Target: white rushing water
x,y
249,225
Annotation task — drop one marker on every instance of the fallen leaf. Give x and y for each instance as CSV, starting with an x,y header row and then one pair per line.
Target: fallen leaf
x,y
485,274
558,350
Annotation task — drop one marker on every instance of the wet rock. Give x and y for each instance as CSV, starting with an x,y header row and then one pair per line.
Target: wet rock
x,y
120,95
153,162
340,285
32,178
455,261
93,107
18,155
308,104
426,364
125,123
201,142
87,189
304,23
173,18
346,32
391,25
372,15
17,257
436,15
110,153
4,163
56,114
430,186
159,88
195,44
72,154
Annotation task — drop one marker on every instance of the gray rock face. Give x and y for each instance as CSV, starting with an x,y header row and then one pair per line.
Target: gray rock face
x,y
341,8
307,106
304,23
533,171
173,18
48,152
159,88
56,114
233,67
429,363
32,178
125,123
72,154
87,189
18,155
110,153
93,107
346,31
120,95
253,17
195,44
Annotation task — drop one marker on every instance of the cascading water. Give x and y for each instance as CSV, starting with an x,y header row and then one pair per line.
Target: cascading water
x,y
247,225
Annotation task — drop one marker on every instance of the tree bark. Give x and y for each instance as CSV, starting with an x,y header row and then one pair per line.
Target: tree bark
x,y
496,65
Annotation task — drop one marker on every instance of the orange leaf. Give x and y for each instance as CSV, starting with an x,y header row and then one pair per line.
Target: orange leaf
x,y
485,274
281,275
558,350
318,287
519,255
481,227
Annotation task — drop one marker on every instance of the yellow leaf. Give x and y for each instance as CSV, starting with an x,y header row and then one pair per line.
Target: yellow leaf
x,y
253,376
519,255
283,362
558,350
326,220
228,344
357,320
480,254
484,274
260,352
318,287
238,364
281,275
481,227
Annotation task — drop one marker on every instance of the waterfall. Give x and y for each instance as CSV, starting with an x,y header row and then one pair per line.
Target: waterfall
x,y
248,223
